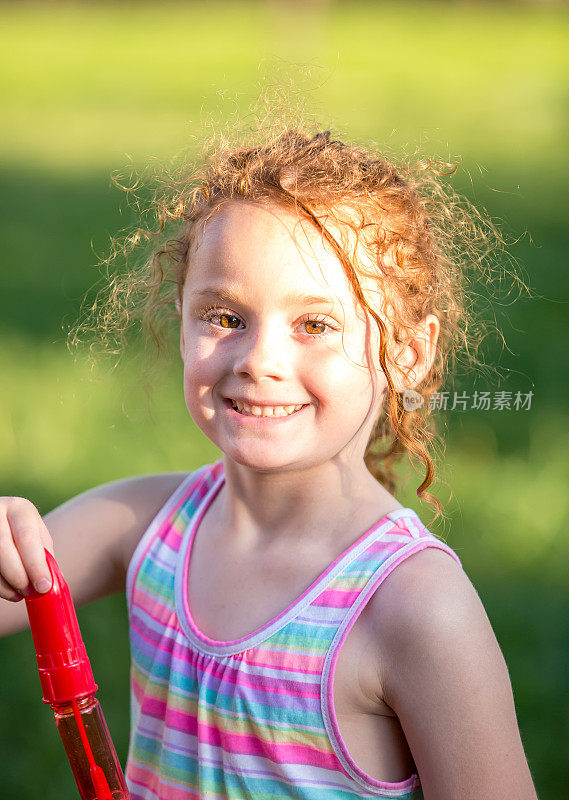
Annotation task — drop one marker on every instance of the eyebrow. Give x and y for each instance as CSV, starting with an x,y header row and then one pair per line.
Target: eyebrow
x,y
228,296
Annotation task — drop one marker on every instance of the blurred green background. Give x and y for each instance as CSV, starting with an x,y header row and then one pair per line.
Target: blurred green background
x,y
87,90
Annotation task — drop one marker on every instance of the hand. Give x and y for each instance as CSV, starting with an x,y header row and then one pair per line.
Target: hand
x,y
23,537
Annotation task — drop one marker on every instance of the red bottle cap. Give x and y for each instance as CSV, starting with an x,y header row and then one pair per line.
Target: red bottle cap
x,y
64,668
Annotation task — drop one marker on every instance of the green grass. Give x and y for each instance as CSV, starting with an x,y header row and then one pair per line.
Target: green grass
x,y
83,86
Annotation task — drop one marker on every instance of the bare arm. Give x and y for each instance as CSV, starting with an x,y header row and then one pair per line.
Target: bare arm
x,y
92,536
443,673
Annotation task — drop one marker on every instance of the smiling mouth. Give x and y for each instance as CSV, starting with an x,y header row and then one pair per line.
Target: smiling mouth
x,y
264,411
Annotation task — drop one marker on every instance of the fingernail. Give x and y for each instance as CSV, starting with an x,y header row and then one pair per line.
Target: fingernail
x,y
42,585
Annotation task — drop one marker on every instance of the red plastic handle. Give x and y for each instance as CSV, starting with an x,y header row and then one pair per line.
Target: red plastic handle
x,y
64,668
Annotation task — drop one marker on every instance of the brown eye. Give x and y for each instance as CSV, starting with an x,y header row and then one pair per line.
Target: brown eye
x,y
314,326
228,321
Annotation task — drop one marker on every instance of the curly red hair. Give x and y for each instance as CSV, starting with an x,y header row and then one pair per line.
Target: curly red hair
x,y
419,236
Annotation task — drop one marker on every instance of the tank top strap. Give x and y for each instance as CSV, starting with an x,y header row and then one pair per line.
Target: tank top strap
x,y
349,582
163,537
346,598
368,562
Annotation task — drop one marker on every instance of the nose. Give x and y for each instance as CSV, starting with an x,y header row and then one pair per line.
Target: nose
x,y
264,352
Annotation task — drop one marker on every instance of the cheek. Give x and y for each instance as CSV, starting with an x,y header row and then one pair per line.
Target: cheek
x,y
201,372
360,382
362,350
343,376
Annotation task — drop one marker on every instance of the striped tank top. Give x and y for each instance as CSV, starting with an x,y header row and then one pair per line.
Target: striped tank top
x,y
253,718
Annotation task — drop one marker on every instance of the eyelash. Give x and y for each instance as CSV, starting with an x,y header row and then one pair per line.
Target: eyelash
x,y
207,315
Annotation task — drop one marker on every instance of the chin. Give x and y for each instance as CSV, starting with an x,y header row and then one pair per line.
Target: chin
x,y
261,462
269,462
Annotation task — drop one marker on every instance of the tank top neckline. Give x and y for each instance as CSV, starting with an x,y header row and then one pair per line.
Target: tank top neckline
x,y
215,647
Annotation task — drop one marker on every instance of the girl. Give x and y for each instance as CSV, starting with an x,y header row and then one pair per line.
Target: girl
x,y
295,631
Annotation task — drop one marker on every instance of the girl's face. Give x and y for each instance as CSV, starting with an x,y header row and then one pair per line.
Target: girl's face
x,y
276,351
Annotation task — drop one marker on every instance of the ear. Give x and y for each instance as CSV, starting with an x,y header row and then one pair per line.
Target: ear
x,y
417,354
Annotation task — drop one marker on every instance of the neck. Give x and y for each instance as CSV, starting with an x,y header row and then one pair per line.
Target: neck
x,y
322,498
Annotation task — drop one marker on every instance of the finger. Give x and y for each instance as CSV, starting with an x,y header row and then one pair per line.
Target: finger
x,y
30,535
8,593
11,568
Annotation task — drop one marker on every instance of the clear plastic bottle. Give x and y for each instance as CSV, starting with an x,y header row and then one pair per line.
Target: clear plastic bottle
x,y
69,688
90,750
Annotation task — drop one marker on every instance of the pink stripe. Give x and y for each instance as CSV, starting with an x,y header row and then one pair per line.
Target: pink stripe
x,y
337,598
144,777
259,683
235,742
173,535
150,604
157,639
208,666
245,743
137,689
279,752
285,661
388,547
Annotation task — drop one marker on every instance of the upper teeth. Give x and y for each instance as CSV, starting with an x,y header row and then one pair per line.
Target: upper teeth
x,y
265,411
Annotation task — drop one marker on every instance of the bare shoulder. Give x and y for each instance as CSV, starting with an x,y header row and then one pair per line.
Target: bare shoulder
x,y
428,619
96,532
441,670
426,591
133,503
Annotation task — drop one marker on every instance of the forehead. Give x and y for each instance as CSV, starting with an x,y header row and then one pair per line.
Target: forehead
x,y
261,243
